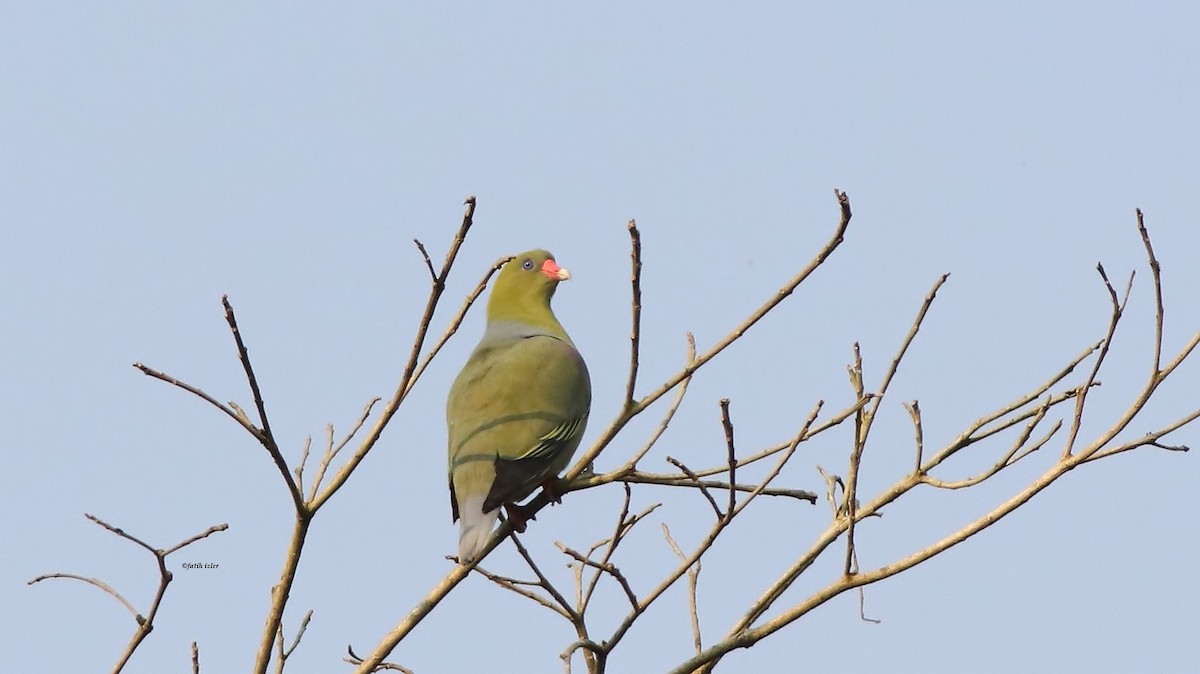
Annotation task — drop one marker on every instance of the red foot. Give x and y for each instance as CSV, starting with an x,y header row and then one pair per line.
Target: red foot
x,y
516,516
550,486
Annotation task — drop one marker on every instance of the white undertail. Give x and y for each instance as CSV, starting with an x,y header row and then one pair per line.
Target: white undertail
x,y
475,528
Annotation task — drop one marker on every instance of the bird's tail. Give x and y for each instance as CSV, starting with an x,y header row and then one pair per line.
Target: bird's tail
x,y
475,528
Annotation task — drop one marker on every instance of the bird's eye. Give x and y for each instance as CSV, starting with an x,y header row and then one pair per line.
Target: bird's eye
x,y
527,264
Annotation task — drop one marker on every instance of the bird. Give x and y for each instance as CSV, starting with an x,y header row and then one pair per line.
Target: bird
x,y
517,411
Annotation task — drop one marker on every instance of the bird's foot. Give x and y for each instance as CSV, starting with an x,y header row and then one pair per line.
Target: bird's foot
x,y
552,490
517,517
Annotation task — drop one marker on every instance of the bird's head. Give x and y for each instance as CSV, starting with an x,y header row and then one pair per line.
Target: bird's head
x,y
525,285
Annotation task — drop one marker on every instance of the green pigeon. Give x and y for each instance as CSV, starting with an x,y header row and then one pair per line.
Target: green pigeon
x,y
519,407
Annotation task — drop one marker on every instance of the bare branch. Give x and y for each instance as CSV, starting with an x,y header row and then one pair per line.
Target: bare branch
x,y
267,438
1156,275
1118,310
299,469
698,483
238,416
145,624
543,581
745,633
727,425
862,608
631,465
607,567
635,330
718,527
121,532
332,451
668,480
457,573
914,412
629,475
352,658
1148,440
518,587
285,654
1016,452
610,544
973,433
414,366
629,413
186,542
862,426
589,647
96,583
693,580
833,484
433,275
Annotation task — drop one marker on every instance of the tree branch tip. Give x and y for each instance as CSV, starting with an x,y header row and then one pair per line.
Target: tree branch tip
x,y
470,200
1171,448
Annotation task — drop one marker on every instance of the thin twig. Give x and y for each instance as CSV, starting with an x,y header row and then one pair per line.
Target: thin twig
x,y
635,329
833,484
718,527
610,544
627,474
727,426
296,641
516,586
352,658
668,480
96,582
267,438
973,434
788,288
607,567
412,370
145,624
299,469
593,652
698,483
914,412
862,425
693,580
241,419
433,275
631,464
1118,310
1156,275
543,580
331,451
745,633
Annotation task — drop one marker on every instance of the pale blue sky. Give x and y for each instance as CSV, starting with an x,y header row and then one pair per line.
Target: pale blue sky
x,y
156,155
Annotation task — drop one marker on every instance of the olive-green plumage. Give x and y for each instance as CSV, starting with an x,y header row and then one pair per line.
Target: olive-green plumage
x,y
519,407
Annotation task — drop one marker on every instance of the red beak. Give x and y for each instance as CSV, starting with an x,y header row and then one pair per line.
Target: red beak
x,y
550,268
